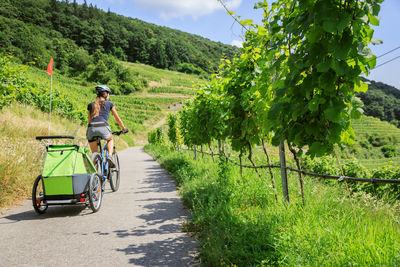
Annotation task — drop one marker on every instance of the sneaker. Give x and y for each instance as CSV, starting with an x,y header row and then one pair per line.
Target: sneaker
x,y
111,162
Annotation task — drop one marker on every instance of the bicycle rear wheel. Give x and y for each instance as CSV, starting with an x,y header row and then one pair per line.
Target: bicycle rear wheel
x,y
39,204
95,192
115,173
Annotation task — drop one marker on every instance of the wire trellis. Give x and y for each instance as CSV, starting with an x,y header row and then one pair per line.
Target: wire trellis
x,y
339,178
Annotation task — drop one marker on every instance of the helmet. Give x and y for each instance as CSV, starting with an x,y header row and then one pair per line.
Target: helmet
x,y
100,89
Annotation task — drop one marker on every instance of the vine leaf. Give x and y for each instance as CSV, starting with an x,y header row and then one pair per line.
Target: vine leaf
x,y
333,113
315,148
323,66
329,25
315,102
339,67
374,20
344,21
362,88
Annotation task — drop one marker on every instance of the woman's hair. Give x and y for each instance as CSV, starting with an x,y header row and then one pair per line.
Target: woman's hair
x,y
99,101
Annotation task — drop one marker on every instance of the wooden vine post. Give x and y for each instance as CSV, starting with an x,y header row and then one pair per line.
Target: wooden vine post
x,y
282,157
301,182
270,171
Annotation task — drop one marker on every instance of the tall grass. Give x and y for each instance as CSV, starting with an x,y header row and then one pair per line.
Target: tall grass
x,y
240,223
21,156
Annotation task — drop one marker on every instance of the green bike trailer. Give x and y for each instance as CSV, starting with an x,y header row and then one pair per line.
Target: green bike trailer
x,y
66,177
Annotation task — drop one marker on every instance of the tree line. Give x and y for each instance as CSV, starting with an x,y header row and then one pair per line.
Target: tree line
x,y
36,30
382,101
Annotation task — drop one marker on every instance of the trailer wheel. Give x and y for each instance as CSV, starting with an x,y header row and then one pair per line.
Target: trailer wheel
x,y
39,204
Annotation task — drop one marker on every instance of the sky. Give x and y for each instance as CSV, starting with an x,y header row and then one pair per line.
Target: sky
x,y
209,19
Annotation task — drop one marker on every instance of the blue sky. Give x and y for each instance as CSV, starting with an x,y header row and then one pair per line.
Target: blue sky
x,y
207,18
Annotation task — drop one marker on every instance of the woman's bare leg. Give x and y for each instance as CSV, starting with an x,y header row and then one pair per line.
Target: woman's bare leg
x,y
93,147
110,146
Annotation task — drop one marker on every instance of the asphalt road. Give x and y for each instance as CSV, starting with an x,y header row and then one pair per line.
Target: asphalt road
x,y
139,225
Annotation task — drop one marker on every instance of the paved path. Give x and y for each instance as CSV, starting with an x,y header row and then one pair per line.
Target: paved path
x,y
139,225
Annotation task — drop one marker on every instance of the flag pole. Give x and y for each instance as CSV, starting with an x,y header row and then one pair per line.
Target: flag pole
x,y
50,72
51,92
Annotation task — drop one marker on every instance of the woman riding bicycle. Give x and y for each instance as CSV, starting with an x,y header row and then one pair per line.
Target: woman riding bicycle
x,y
98,113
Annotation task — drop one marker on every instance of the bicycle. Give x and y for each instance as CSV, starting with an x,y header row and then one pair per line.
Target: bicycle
x,y
102,166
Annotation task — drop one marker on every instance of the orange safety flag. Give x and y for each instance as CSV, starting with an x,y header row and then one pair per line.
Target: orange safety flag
x,y
50,67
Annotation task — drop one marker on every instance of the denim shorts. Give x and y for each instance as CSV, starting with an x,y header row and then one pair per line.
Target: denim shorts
x,y
104,132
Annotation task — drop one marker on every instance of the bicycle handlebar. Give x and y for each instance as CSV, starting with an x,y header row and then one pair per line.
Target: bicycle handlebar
x,y
120,132
55,137
71,137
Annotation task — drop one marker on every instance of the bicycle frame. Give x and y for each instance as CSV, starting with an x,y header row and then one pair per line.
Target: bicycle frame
x,y
104,163
105,168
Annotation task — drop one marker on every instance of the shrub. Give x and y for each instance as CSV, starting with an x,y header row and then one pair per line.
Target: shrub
x,y
172,131
390,190
156,136
353,168
389,151
365,144
189,68
378,140
322,165
11,80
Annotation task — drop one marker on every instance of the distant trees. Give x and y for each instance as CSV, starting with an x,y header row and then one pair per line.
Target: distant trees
x,y
382,101
189,68
37,30
106,69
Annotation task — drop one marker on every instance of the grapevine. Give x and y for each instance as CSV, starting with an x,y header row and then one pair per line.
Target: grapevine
x,y
294,81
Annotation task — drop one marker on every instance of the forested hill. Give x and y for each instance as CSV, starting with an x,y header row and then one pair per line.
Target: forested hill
x,y
382,101
36,30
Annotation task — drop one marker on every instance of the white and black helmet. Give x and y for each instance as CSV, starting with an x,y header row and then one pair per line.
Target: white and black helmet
x,y
100,89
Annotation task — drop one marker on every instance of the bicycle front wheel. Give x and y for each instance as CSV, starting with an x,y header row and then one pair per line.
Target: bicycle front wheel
x,y
39,204
95,192
115,174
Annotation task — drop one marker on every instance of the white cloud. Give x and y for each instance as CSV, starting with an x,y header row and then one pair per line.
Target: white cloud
x,y
169,9
237,43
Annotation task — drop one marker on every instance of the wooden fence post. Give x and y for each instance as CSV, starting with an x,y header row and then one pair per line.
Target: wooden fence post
x,y
195,156
282,157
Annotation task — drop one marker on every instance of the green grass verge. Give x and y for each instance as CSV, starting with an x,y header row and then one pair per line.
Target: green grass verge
x,y
239,222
